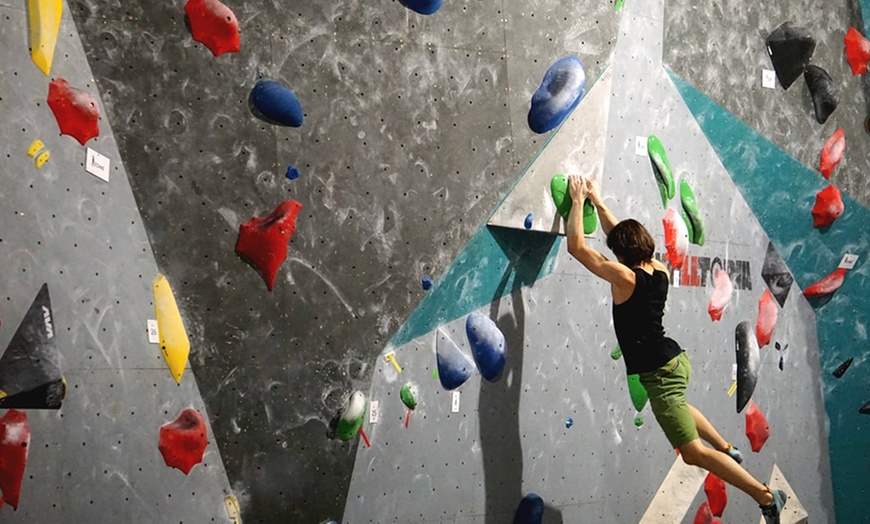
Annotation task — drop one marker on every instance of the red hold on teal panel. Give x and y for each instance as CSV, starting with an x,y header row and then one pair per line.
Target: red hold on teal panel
x,y
183,441
827,285
75,110
832,153
857,51
14,447
263,242
828,207
213,25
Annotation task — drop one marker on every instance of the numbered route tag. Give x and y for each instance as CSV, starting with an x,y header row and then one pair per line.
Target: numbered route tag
x,y
153,333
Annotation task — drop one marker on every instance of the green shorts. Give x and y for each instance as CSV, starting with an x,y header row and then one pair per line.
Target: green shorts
x,y
666,387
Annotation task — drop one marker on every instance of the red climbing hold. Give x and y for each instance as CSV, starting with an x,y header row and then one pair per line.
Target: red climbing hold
x,y
183,441
263,242
757,428
857,51
214,25
832,153
827,285
721,295
717,495
829,206
75,110
14,445
704,515
767,313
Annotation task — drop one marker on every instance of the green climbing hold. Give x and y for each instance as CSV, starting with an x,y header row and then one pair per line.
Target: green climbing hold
x,y
409,395
562,200
637,392
691,215
435,373
616,354
617,6
352,415
638,421
661,168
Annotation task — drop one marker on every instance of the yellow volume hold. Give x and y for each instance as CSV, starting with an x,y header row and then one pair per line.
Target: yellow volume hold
x,y
174,343
44,27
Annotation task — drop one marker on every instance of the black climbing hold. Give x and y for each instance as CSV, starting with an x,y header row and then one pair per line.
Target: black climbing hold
x,y
790,48
841,369
530,510
823,90
746,347
776,275
30,375
865,409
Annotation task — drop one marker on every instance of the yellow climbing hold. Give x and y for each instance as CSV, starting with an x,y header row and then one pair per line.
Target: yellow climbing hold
x,y
42,159
35,147
174,343
44,27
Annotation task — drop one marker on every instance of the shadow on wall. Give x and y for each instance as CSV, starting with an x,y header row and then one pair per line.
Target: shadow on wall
x,y
499,401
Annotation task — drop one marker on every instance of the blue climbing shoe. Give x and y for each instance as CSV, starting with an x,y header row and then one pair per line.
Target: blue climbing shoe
x,y
772,511
735,454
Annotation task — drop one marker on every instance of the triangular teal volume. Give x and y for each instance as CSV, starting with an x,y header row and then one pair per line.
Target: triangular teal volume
x,y
30,375
781,192
495,262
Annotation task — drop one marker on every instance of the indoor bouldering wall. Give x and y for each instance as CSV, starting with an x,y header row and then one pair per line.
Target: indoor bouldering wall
x,y
96,457
414,160
560,421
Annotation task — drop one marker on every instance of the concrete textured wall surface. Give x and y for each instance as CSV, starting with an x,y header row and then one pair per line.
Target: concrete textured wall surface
x,y
415,131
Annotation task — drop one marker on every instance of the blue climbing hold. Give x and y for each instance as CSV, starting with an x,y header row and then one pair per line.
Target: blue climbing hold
x,y
569,422
454,366
275,103
560,92
487,345
427,283
530,510
292,173
424,7
528,222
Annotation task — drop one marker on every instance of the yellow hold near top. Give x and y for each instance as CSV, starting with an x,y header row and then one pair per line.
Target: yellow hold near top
x,y
174,343
44,27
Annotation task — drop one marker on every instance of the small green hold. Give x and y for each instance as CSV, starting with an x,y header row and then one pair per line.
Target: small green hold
x,y
409,395
435,373
661,168
691,215
638,421
563,202
616,354
617,6
637,392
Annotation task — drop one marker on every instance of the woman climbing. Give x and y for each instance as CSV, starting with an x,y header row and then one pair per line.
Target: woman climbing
x,y
639,285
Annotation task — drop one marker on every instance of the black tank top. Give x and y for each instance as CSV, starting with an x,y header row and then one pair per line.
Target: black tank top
x,y
638,324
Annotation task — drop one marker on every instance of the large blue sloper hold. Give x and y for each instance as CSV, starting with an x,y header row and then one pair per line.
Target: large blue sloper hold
x,y
454,366
487,345
530,510
424,7
560,92
276,104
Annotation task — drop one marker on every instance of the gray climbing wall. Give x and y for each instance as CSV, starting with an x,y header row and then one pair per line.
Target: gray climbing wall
x,y
95,459
510,437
